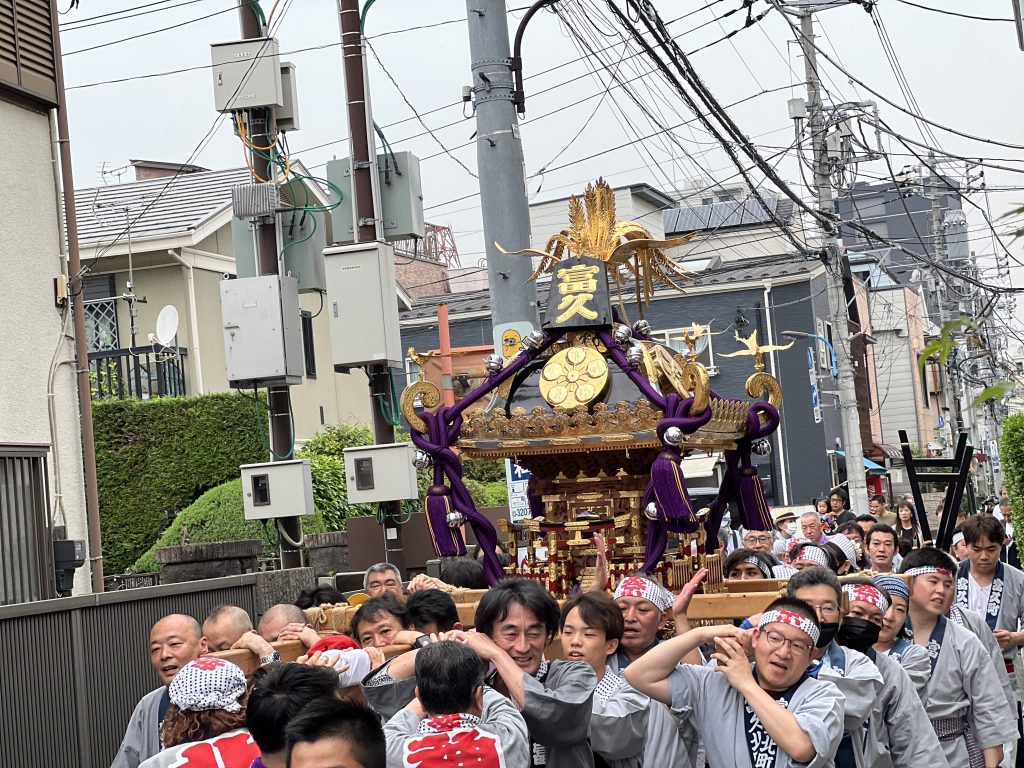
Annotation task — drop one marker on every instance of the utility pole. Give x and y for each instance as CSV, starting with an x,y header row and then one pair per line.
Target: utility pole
x,y
367,229
75,275
503,200
279,405
855,481
934,196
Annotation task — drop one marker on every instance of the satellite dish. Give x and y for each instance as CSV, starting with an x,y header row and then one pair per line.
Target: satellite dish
x,y
167,325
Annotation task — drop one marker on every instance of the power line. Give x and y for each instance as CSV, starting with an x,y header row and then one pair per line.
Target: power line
x,y
203,142
152,31
893,104
945,12
91,21
417,114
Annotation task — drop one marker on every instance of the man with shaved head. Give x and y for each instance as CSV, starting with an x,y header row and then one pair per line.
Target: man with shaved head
x,y
173,642
285,621
229,627
224,626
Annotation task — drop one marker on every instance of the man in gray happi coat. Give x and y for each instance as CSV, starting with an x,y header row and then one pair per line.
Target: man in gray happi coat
x,y
767,715
515,621
965,702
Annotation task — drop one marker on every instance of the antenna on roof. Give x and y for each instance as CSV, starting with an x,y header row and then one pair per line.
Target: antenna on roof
x,y
105,174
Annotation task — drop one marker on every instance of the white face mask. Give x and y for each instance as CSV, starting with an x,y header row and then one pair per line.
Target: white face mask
x,y
789,529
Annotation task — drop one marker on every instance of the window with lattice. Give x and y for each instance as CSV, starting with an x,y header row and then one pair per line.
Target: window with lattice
x,y
101,325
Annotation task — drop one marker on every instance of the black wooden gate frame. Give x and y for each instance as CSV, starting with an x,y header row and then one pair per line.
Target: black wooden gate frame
x,y
954,472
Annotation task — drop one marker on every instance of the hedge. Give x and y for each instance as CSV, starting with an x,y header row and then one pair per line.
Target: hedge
x,y
1011,459
155,457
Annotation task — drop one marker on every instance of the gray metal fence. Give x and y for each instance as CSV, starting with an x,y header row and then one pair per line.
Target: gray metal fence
x,y
72,670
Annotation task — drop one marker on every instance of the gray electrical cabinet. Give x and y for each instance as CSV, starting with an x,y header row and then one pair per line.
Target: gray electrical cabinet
x,y
262,331
362,306
375,473
302,239
277,489
246,74
287,117
401,197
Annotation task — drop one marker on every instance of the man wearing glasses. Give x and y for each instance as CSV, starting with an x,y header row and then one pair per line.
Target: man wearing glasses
x,y
759,540
853,673
768,714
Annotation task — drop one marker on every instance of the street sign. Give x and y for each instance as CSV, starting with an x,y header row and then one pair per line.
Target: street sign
x,y
517,480
812,374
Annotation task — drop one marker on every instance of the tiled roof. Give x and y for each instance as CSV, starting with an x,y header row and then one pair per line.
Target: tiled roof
x,y
729,274
167,208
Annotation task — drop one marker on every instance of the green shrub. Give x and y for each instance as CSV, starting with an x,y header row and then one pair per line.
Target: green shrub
x,y
155,457
1011,458
325,449
218,515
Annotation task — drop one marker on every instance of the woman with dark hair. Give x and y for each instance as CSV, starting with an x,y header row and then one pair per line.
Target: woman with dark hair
x,y
745,564
208,698
906,525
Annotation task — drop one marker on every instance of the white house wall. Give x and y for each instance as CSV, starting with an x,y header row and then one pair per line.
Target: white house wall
x,y
30,325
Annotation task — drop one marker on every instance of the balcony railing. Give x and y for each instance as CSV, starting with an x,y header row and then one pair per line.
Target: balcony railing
x,y
142,372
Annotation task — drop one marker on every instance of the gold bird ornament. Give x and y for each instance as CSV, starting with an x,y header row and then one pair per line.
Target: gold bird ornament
x,y
755,350
594,232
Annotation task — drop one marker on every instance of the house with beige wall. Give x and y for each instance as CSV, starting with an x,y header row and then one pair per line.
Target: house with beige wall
x,y
170,235
42,486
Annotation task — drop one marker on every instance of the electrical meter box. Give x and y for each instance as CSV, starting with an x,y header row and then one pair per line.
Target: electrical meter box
x,y
380,473
302,237
277,489
287,117
262,331
401,197
362,306
246,74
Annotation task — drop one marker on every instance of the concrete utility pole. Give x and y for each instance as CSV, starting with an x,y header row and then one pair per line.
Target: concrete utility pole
x,y
934,195
503,200
279,405
855,481
368,228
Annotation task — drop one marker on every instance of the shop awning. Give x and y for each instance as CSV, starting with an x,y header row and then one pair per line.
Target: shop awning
x,y
869,466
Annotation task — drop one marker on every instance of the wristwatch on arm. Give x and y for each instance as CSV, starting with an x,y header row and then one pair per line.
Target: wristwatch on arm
x,y
271,658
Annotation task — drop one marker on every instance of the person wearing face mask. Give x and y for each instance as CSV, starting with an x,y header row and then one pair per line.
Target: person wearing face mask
x,y
897,734
893,642
965,701
853,673
785,523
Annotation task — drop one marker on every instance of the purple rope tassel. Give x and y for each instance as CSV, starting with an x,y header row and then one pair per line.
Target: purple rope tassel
x,y
741,482
442,499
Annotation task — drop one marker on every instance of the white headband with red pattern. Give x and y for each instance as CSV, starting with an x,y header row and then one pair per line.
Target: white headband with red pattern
x,y
865,593
793,619
638,586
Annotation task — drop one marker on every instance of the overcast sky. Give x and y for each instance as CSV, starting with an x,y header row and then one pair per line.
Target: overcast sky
x,y
963,73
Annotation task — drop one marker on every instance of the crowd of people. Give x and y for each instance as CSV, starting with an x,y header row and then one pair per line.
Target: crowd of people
x,y
871,671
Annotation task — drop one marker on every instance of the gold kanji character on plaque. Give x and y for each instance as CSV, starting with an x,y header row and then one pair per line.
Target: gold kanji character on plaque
x,y
578,279
577,286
